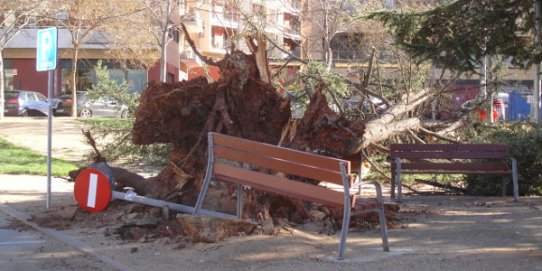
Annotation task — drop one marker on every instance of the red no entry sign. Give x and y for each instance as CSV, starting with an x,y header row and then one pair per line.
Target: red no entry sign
x,y
92,190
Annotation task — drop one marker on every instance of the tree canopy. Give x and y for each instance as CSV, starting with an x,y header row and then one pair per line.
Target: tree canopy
x,y
458,34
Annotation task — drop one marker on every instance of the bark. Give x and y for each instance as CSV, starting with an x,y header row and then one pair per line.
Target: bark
x,y
74,78
216,229
378,130
163,56
2,84
392,121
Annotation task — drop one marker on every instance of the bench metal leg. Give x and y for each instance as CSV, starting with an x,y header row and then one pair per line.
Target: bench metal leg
x,y
344,231
239,201
503,186
347,210
201,195
383,228
208,174
381,216
399,181
392,188
515,178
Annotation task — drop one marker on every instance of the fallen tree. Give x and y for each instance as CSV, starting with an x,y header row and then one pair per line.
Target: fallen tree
x,y
244,103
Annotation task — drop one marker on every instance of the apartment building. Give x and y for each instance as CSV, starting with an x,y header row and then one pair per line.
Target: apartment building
x,y
217,26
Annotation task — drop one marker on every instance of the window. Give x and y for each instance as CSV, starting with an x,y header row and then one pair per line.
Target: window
x,y
349,47
259,10
41,98
31,97
170,77
174,34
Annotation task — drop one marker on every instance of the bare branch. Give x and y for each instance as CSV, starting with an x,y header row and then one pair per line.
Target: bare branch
x,y
203,58
416,138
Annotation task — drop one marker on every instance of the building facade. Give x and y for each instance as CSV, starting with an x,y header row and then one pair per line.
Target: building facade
x,y
20,65
217,26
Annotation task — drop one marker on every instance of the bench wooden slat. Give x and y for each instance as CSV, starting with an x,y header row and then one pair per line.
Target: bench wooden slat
x,y
280,185
287,166
475,167
442,171
448,155
450,147
278,152
447,171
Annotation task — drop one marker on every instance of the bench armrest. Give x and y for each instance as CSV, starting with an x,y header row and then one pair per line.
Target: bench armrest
x,y
377,186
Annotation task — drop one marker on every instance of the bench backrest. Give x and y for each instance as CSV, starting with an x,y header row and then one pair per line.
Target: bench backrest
x,y
276,167
449,151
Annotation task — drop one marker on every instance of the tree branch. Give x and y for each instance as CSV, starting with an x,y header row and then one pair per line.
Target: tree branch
x,y
203,58
437,135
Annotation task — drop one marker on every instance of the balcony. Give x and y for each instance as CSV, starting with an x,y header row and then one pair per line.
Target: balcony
x,y
224,21
349,56
292,29
292,7
187,54
224,16
361,56
277,54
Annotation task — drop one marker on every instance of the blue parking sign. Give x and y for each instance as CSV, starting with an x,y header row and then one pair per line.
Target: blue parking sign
x,y
46,49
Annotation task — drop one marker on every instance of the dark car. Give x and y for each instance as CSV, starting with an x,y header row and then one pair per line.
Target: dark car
x,y
25,103
105,107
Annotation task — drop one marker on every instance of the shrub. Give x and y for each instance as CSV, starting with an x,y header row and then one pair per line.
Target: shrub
x,y
524,142
114,136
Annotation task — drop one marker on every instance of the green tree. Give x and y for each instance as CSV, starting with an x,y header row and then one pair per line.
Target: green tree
x,y
459,34
105,86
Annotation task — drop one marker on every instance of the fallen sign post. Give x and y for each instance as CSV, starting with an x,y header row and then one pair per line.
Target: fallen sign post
x,y
93,192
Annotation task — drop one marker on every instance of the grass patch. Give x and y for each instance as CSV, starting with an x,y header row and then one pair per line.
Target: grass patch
x,y
19,160
114,123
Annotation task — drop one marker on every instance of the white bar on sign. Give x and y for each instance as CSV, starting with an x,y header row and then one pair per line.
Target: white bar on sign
x,y
92,188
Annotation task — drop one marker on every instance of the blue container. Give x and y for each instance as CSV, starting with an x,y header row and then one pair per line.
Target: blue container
x,y
518,107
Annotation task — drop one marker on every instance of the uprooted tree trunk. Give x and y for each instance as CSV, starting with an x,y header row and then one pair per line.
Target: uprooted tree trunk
x,y
240,105
243,103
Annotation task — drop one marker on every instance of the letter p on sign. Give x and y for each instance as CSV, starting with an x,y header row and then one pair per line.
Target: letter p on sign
x,y
92,190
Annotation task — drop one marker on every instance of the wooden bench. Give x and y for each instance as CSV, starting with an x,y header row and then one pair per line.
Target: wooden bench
x,y
481,159
277,166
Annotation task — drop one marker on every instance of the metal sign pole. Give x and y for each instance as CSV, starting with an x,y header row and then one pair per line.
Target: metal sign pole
x,y
49,135
46,59
536,88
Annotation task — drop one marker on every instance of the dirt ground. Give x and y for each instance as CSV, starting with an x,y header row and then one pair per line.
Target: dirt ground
x,y
431,233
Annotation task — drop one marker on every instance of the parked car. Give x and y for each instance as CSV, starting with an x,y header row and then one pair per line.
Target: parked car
x,y
105,107
25,103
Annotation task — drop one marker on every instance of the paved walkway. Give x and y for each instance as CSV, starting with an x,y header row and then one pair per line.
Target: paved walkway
x,y
68,141
24,245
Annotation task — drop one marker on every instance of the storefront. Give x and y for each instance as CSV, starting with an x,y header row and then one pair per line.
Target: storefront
x,y
22,74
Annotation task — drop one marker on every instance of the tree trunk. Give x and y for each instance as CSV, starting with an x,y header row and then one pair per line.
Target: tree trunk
x,y
73,76
163,56
2,85
392,122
